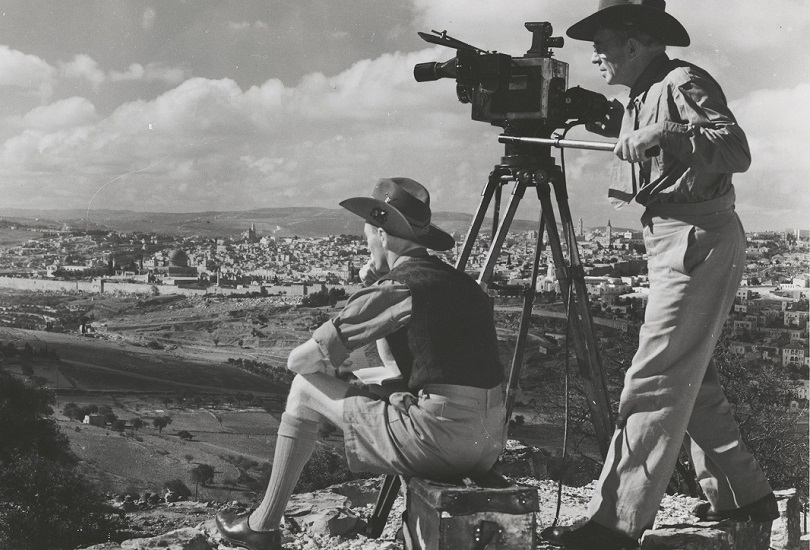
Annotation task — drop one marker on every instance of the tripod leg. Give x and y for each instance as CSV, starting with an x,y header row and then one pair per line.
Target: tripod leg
x,y
385,500
590,368
496,211
595,378
525,320
493,185
497,242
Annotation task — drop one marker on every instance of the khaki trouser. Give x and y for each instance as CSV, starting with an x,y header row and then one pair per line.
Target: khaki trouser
x,y
671,395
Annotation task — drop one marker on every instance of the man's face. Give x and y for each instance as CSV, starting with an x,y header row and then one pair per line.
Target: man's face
x,y
610,56
375,247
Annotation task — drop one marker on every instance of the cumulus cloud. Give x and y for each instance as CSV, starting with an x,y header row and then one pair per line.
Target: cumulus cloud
x,y
84,67
268,144
151,72
25,71
65,113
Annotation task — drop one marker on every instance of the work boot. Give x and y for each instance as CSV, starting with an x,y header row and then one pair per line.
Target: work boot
x,y
588,536
762,510
235,529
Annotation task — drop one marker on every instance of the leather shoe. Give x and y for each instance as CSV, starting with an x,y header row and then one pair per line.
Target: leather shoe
x,y
762,510
588,536
235,529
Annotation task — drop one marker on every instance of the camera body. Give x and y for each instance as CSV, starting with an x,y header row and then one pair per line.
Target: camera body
x,y
529,93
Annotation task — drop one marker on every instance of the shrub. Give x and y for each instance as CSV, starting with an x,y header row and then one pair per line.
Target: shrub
x,y
44,501
46,504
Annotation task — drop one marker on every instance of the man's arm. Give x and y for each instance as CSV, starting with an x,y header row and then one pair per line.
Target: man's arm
x,y
370,313
709,140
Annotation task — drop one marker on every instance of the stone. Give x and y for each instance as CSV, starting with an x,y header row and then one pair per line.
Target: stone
x,y
333,523
323,513
360,493
786,531
187,538
678,538
721,535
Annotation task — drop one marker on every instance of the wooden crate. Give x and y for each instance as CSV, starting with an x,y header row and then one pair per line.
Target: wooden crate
x,y
451,517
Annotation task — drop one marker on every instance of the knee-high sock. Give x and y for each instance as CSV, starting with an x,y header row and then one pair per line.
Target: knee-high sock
x,y
294,445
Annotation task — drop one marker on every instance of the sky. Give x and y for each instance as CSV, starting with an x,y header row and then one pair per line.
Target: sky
x,y
201,105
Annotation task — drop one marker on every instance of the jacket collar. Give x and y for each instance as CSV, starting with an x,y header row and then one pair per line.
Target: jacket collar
x,y
652,73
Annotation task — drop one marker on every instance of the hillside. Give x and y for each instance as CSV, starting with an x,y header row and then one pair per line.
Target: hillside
x,y
282,222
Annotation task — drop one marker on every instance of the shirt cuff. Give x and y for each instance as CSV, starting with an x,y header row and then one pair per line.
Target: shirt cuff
x,y
328,339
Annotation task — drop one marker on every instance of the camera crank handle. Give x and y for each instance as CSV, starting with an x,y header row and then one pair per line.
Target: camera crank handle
x,y
653,151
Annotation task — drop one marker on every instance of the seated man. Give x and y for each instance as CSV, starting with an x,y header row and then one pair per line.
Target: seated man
x,y
437,322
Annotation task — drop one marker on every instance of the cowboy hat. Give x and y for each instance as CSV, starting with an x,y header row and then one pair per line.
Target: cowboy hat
x,y
648,15
401,206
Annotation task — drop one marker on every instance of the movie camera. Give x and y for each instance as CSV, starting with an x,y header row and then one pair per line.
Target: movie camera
x,y
527,96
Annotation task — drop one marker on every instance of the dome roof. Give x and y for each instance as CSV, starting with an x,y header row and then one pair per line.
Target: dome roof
x,y
178,258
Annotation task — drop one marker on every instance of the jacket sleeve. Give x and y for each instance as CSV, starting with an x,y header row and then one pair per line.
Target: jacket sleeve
x,y
706,135
370,313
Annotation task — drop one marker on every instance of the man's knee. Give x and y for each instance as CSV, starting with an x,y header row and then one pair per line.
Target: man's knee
x,y
297,399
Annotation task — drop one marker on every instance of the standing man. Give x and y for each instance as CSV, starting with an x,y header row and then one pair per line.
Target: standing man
x,y
437,325
696,256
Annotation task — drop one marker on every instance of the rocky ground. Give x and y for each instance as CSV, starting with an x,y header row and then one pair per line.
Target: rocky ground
x,y
335,517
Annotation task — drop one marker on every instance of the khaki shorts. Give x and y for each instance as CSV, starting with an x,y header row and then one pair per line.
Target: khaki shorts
x,y
443,432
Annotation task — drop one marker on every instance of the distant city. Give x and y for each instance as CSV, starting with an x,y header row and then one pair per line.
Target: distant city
x,y
769,319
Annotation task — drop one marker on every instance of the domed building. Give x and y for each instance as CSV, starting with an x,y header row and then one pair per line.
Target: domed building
x,y
174,264
178,258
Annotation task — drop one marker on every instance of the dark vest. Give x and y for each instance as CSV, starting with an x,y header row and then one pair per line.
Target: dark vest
x,y
450,338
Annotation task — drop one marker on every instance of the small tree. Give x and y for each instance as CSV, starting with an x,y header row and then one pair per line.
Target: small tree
x,y
201,474
161,422
137,424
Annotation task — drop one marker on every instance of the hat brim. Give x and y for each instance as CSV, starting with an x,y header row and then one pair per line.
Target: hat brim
x,y
657,22
396,224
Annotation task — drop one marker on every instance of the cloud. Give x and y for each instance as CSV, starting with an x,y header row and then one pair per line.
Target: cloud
x,y
152,72
65,113
271,144
84,67
774,190
148,19
26,72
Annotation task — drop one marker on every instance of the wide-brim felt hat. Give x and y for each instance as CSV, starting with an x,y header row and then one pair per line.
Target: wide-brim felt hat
x,y
648,15
401,206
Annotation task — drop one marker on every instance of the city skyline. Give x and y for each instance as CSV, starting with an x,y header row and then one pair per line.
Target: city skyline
x,y
190,107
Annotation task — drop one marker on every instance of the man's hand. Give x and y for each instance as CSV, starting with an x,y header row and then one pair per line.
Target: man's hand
x,y
639,145
368,274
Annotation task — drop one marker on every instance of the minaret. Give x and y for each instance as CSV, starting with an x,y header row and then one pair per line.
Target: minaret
x,y
609,234
581,228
